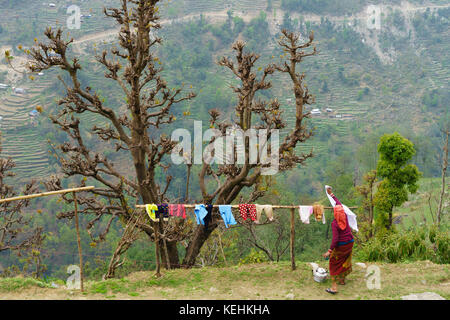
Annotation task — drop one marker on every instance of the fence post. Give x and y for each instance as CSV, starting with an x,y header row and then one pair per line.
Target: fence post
x,y
78,240
158,263
292,238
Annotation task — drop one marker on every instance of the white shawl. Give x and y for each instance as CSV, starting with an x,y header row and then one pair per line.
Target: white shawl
x,y
350,215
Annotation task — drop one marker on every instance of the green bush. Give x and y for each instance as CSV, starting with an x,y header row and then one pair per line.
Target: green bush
x,y
255,256
407,246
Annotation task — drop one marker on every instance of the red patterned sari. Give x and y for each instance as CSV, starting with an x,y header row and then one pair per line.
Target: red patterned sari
x,y
341,261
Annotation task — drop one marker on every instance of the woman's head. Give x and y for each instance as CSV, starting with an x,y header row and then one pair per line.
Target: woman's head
x,y
340,216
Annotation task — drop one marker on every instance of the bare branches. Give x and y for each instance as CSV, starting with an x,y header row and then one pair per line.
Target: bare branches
x,y
16,231
258,114
131,129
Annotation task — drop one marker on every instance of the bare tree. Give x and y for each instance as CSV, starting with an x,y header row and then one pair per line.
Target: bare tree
x,y
16,231
130,235
134,131
444,172
253,112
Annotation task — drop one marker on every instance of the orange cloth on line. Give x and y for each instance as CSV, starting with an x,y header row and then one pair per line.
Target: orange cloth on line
x,y
340,216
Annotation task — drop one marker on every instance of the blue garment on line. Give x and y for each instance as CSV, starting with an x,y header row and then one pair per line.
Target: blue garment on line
x,y
203,214
227,215
200,213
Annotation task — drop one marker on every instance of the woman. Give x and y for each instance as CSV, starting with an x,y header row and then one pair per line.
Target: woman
x,y
340,252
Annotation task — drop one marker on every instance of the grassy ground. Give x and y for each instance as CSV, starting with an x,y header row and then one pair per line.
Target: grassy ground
x,y
273,281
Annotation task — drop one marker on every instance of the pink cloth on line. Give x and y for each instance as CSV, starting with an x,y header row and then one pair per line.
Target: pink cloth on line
x,y
177,210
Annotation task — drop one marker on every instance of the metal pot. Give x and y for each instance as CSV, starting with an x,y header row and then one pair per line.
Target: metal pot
x,y
320,274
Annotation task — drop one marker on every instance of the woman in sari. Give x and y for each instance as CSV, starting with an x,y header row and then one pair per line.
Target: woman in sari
x,y
340,252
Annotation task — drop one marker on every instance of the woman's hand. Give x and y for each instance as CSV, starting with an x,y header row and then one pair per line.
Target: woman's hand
x,y
326,254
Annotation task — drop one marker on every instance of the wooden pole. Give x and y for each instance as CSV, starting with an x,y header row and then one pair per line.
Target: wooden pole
x,y
158,262
44,194
166,252
292,238
221,247
78,239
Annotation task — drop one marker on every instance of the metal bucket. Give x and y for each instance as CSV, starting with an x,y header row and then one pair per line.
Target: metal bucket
x,y
320,274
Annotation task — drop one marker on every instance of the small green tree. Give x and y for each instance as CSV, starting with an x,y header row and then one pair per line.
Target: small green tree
x,y
366,190
399,177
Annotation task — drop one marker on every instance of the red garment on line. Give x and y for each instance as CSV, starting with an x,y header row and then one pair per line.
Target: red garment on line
x,y
246,210
177,210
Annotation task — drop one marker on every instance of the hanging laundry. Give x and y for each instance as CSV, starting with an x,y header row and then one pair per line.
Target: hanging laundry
x,y
318,211
151,211
305,213
350,215
163,211
227,215
200,212
207,219
177,210
267,209
247,210
203,214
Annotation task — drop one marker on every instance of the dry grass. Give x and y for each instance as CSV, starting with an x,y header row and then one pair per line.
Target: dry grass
x,y
273,281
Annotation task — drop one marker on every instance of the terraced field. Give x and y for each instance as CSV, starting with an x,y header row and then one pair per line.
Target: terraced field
x,y
382,104
20,140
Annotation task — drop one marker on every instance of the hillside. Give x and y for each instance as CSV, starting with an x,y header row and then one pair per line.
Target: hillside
x,y
370,78
274,281
374,80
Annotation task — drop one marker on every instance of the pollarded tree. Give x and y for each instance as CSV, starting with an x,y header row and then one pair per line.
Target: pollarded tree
x,y
134,129
231,177
399,177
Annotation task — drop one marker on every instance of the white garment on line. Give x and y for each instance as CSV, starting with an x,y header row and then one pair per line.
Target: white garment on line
x,y
305,213
267,209
350,215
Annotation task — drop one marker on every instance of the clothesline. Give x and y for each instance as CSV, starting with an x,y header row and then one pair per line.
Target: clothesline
x,y
254,212
237,206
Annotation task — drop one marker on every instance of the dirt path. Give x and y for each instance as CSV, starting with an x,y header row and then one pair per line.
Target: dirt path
x,y
220,16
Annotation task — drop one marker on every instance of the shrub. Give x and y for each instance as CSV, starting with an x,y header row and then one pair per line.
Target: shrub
x,y
407,246
255,256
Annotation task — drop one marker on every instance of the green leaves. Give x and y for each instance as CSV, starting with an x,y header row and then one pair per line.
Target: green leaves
x,y
399,177
395,151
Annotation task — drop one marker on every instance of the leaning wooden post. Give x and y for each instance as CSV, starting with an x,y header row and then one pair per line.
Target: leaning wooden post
x,y
78,239
165,250
292,238
221,247
158,263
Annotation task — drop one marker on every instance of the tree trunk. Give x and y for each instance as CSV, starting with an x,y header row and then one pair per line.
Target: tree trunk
x,y
371,207
390,220
200,236
444,170
172,251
